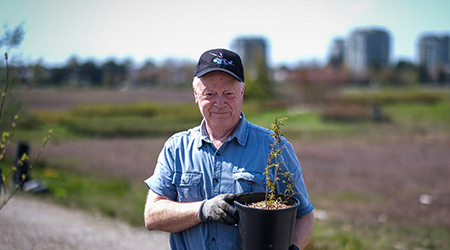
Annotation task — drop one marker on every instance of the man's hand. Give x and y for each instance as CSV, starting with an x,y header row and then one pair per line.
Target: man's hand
x,y
220,209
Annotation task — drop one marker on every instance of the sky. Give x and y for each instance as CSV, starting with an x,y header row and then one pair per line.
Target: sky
x,y
296,30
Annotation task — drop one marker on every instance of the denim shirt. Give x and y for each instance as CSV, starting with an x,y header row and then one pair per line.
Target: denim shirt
x,y
190,169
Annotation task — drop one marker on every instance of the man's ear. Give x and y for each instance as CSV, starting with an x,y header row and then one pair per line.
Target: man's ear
x,y
195,94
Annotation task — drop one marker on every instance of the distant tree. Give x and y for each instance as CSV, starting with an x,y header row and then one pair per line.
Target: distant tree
x,y
258,83
405,73
443,75
147,74
90,74
424,76
58,75
405,65
73,69
113,74
39,74
173,73
12,38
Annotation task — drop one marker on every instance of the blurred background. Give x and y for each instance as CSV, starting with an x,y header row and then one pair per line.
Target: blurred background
x,y
365,86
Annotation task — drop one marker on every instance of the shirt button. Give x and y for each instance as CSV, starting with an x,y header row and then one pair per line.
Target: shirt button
x,y
218,153
213,239
216,180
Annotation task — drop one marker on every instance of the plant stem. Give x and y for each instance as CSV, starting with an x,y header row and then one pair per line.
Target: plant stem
x,y
6,87
4,202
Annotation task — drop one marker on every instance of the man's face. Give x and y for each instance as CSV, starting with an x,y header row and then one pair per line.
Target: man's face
x,y
219,97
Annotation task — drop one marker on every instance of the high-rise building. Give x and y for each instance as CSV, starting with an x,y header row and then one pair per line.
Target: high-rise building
x,y
367,48
434,57
337,52
253,51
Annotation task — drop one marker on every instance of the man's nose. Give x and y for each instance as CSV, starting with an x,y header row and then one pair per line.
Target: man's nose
x,y
220,101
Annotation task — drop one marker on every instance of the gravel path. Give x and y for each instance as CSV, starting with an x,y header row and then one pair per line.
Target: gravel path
x,y
29,223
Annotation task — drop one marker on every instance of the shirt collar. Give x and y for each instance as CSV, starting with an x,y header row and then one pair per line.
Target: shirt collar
x,y
240,134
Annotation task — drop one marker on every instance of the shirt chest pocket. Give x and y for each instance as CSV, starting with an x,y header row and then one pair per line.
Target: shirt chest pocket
x,y
247,182
188,186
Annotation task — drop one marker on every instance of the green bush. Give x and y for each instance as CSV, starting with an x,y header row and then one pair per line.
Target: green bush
x,y
126,126
345,112
141,119
105,110
391,97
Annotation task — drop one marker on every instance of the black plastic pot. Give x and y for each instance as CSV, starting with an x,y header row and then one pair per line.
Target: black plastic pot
x,y
262,228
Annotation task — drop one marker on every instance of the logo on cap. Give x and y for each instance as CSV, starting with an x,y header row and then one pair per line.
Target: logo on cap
x,y
220,60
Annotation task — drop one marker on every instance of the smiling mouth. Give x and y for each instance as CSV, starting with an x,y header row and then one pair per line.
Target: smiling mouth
x,y
221,113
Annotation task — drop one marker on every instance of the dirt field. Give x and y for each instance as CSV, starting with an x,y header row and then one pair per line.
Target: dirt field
x,y
396,178
380,181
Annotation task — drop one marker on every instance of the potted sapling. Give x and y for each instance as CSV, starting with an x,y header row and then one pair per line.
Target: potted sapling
x,y
267,219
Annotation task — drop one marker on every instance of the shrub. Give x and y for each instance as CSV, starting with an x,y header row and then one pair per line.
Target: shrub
x,y
345,112
391,97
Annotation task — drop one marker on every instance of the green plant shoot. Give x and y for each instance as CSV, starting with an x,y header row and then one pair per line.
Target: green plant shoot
x,y
274,164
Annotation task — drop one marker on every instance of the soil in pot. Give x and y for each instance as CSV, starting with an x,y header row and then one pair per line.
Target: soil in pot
x,y
265,228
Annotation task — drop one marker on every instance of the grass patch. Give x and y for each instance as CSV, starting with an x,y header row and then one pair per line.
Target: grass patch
x,y
392,96
307,125
421,113
128,126
112,120
421,119
373,236
146,109
115,198
105,110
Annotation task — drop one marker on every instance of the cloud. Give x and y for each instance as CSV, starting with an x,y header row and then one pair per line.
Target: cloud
x,y
360,7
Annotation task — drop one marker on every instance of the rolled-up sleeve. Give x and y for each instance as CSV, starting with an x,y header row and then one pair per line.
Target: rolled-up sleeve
x,y
161,182
293,166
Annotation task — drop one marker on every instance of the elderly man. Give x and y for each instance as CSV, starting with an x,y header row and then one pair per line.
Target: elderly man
x,y
200,171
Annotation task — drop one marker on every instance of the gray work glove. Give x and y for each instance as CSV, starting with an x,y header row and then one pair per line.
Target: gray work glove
x,y
220,209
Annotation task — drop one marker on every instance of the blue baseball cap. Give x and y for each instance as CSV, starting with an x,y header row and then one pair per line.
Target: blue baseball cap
x,y
221,60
